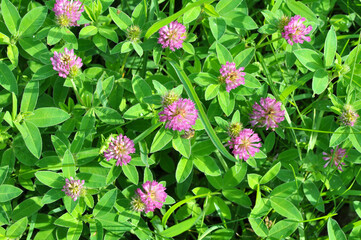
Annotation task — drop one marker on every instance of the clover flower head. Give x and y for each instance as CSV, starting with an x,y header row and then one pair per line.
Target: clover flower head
x,y
348,116
232,76
295,31
133,33
267,113
180,115
172,36
169,98
73,188
119,149
153,197
335,158
137,204
68,12
67,63
234,129
246,144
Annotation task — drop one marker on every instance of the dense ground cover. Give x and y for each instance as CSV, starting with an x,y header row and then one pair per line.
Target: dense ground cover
x,y
184,119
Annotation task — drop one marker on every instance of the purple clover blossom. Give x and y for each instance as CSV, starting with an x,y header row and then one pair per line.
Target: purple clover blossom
x,y
68,13
119,149
267,114
153,197
246,144
73,188
295,31
231,76
67,63
349,116
180,115
172,36
335,157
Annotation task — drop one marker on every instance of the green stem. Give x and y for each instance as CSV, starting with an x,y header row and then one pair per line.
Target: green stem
x,y
320,218
76,92
267,43
124,62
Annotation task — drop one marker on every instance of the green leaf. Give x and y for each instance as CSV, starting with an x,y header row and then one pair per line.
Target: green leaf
x,y
244,58
13,54
66,220
138,48
32,21
88,31
334,231
282,229
309,58
3,173
238,19
11,16
100,42
106,203
182,145
184,168
320,81
339,136
121,19
223,54
54,36
109,115
31,136
52,195
179,228
191,15
141,88
113,174
47,116
271,173
218,27
75,233
68,166
131,173
136,111
8,192
109,33
235,175
270,141
7,79
299,8
36,49
237,196
207,165
69,37
355,137
259,227
223,7
27,208
30,97
162,138
44,72
17,229
286,208
50,179
92,180
211,91
313,195
226,101
330,47
202,115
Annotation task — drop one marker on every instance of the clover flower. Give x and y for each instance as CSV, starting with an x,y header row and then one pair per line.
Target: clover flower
x,y
244,145
180,115
348,116
234,129
169,98
133,33
172,36
335,158
153,197
119,149
67,63
295,31
73,188
68,13
268,113
231,76
137,204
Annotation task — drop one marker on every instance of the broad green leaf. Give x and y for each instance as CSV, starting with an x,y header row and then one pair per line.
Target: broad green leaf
x,y
270,141
223,54
300,82
184,168
330,47
131,173
66,220
235,175
237,196
271,173
11,16
32,137
109,33
44,72
334,231
68,166
13,54
7,79
113,174
286,208
226,101
8,192
207,165
50,179
204,79
52,195
211,91
36,49
218,27
320,81
92,180
27,208
54,36
251,82
282,229
191,15
121,19
109,115
179,228
313,195
162,138
32,21
30,97
244,58
3,173
182,145
17,229
222,208
75,233
357,206
141,88
88,31
309,58
259,227
106,203
299,8
238,19
355,137
339,136
223,7
47,116
136,111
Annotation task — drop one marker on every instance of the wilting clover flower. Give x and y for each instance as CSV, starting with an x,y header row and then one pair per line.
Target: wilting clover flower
x,y
172,36
153,197
137,204
267,114
246,144
67,63
234,129
348,116
119,149
169,98
335,157
295,31
133,33
231,76
180,115
68,12
73,188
